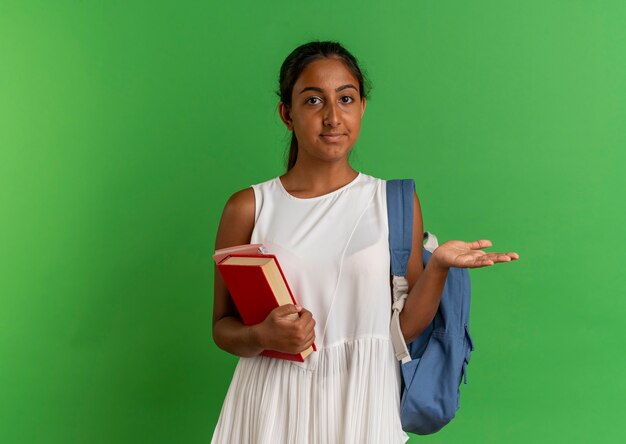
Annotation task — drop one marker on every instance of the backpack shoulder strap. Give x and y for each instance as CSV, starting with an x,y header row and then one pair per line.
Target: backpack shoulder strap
x,y
400,218
400,222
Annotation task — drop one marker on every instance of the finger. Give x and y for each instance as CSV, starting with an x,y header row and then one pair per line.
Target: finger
x,y
505,257
310,336
511,255
499,257
309,342
478,244
495,258
289,308
483,261
305,323
305,316
305,311
287,311
310,325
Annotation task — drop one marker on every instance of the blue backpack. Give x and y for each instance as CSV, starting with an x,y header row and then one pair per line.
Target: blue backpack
x,y
434,364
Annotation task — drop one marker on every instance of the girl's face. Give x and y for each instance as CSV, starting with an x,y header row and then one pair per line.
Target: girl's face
x,y
326,111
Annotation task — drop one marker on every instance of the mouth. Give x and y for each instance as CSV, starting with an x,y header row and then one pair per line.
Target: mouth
x,y
332,137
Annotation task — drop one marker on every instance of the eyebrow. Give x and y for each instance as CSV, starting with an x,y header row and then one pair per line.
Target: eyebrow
x,y
318,89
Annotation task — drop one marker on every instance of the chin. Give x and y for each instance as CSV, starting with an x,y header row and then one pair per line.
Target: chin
x,y
338,155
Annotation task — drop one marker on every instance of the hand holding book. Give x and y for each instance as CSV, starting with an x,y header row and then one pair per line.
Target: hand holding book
x,y
288,329
264,300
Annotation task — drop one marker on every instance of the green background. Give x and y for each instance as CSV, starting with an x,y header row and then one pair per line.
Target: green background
x,y
125,126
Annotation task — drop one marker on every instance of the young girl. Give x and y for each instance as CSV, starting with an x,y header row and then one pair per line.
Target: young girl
x,y
327,224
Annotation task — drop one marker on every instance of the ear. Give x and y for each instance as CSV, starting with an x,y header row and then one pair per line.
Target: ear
x,y
285,115
363,106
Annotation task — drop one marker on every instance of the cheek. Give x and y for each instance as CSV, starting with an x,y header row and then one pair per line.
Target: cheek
x,y
355,124
300,120
302,130
300,127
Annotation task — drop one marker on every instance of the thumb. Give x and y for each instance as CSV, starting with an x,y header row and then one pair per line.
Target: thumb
x,y
288,309
480,244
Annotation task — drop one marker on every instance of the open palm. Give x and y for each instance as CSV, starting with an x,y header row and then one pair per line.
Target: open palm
x,y
460,254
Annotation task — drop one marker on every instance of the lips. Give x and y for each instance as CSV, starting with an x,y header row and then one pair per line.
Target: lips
x,y
332,137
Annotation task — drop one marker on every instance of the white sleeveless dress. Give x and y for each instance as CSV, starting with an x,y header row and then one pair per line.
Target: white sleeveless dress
x,y
334,252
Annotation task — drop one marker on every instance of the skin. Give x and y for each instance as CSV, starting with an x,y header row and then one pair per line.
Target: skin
x,y
325,114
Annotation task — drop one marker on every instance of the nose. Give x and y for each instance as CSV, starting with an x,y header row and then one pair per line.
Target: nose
x,y
331,115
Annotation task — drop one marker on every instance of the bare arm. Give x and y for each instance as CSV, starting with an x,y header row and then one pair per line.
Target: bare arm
x,y
425,284
235,228
278,331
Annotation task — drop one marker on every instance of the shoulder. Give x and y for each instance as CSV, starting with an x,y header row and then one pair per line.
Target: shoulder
x,y
240,204
237,220
386,181
371,179
368,182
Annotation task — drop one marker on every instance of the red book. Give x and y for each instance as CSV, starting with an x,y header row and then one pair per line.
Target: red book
x,y
248,249
257,285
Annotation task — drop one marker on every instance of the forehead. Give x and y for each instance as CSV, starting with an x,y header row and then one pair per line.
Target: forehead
x,y
328,73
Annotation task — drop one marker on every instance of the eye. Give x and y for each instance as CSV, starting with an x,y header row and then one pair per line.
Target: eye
x,y
346,99
313,100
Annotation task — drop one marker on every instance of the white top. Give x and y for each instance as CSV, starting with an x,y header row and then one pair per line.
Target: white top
x,y
334,251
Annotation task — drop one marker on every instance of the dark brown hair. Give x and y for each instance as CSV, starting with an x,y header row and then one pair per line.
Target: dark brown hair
x,y
297,61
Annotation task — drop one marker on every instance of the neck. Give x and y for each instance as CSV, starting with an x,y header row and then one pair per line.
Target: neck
x,y
317,179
